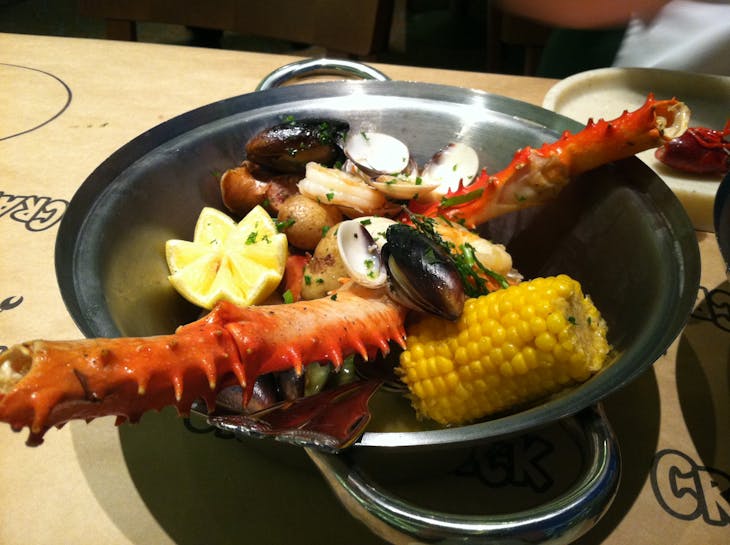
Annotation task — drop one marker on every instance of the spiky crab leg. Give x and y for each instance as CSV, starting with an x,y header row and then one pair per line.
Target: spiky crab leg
x,y
48,383
536,175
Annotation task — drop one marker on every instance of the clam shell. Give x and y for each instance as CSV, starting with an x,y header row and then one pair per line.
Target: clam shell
x,y
377,226
360,254
455,164
404,186
376,153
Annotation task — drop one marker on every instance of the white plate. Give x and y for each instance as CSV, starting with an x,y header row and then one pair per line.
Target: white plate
x,y
607,92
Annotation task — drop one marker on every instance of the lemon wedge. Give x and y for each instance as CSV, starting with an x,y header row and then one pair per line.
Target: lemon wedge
x,y
227,261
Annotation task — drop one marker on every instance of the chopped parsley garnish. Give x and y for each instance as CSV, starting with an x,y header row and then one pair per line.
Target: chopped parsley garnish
x,y
288,297
281,226
462,199
471,270
251,239
469,253
325,132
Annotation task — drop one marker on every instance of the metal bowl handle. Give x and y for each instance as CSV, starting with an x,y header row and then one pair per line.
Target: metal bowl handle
x,y
310,67
721,216
560,521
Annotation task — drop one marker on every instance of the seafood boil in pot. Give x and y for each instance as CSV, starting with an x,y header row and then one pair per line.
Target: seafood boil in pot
x,y
351,250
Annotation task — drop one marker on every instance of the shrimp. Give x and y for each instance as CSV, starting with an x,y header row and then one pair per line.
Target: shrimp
x,y
493,256
347,191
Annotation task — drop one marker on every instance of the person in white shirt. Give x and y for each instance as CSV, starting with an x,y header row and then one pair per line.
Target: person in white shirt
x,y
690,35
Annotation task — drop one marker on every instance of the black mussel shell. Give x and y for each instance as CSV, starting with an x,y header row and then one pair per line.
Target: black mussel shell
x,y
421,274
265,393
290,383
288,147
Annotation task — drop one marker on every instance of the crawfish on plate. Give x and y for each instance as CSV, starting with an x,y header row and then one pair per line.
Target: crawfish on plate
x,y
698,150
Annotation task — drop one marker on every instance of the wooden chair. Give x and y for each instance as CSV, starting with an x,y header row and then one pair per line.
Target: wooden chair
x,y
351,28
506,30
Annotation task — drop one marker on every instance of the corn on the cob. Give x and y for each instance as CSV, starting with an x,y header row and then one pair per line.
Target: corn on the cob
x,y
508,348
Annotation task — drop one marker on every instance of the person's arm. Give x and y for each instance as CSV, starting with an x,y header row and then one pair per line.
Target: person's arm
x,y
581,13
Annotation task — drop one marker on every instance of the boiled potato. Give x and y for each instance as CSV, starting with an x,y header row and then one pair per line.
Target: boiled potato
x,y
324,271
308,218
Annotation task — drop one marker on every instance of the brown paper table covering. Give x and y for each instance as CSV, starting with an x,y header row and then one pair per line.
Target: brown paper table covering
x,y
65,106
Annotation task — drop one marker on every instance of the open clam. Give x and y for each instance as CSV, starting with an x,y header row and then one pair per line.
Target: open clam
x,y
376,153
403,187
386,164
455,164
359,242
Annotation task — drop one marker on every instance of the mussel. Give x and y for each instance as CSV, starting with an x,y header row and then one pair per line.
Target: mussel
x,y
421,274
273,388
289,146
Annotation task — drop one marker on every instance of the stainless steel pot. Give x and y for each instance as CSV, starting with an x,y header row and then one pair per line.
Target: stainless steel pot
x,y
619,230
721,213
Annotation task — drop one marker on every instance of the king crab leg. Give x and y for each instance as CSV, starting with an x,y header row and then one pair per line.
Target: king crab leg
x,y
535,176
48,383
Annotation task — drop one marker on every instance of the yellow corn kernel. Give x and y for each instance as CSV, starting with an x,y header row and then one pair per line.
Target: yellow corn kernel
x,y
545,341
534,339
